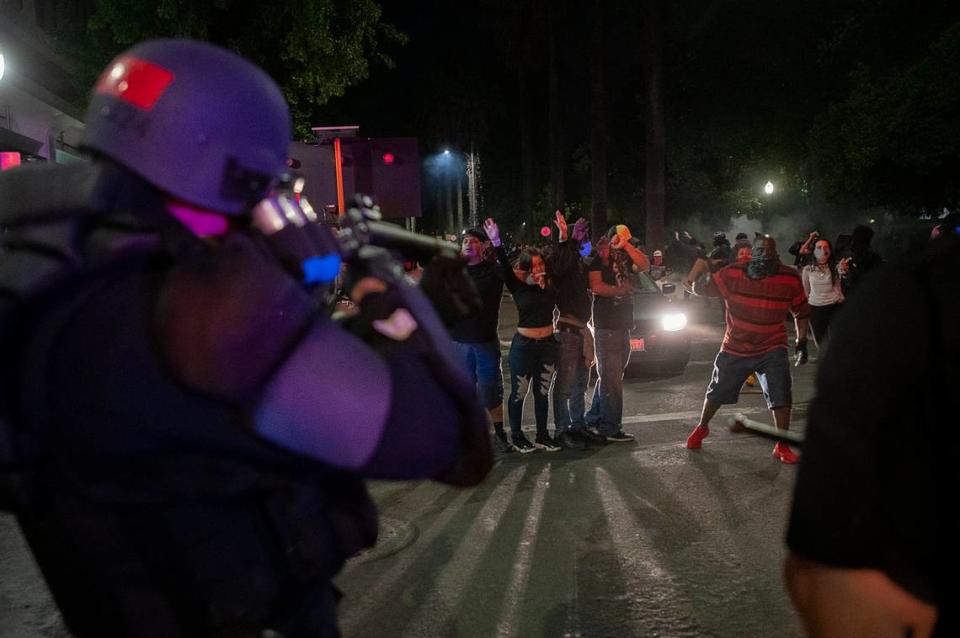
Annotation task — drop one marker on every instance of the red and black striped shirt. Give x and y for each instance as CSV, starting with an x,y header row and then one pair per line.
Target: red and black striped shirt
x,y
758,308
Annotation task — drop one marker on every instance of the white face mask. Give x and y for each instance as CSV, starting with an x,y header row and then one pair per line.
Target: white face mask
x,y
821,256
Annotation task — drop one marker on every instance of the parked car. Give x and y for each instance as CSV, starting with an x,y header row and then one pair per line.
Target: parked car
x,y
660,339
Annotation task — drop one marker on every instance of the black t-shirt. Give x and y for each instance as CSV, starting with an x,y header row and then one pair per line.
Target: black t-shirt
x,y
482,327
534,304
611,313
573,285
881,463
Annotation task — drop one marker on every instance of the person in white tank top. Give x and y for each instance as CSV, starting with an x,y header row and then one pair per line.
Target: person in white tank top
x,y
821,281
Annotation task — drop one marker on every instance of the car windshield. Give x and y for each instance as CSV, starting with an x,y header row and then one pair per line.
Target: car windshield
x,y
645,284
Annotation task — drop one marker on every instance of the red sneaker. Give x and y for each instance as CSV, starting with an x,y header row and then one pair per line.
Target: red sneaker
x,y
697,436
783,453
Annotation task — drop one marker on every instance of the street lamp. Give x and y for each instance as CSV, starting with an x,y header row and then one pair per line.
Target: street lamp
x,y
768,188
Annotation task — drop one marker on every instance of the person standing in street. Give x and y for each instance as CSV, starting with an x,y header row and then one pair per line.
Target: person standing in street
x,y
759,296
534,350
477,338
609,276
576,341
821,282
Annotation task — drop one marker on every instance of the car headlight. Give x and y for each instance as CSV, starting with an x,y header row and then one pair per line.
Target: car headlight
x,y
674,322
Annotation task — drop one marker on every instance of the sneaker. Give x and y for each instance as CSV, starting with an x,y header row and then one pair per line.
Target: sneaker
x,y
593,436
783,453
620,437
522,444
500,443
697,436
545,442
572,440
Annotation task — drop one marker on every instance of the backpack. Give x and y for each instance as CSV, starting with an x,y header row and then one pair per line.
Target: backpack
x,y
58,226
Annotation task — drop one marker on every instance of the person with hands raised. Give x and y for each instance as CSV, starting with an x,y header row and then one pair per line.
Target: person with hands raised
x,y
534,350
576,341
609,277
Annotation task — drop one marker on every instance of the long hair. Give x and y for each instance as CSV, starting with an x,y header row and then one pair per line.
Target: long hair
x,y
831,261
524,260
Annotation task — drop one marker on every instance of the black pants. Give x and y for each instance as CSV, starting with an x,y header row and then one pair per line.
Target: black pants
x,y
532,366
820,318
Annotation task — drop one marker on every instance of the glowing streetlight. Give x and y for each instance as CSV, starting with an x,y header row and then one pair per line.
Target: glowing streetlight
x,y
446,152
768,188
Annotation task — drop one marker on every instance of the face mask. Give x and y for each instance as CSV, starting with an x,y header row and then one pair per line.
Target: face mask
x,y
762,264
820,255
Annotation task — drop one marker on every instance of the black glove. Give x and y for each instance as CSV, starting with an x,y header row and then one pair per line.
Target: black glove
x,y
450,289
801,351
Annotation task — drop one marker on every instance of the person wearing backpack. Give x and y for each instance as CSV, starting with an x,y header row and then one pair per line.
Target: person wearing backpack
x,y
191,429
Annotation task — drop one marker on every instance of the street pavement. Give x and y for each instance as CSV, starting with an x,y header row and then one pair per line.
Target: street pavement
x,y
632,539
639,539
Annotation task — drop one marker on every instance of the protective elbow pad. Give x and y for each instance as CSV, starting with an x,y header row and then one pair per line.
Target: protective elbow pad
x,y
329,400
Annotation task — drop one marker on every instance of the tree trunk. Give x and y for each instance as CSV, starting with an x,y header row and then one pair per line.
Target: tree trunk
x,y
459,225
526,149
555,118
598,128
655,128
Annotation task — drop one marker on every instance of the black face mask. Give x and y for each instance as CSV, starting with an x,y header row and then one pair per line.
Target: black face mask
x,y
762,263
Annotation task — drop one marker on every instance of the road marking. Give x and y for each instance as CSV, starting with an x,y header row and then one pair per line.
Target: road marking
x,y
669,416
521,562
679,416
654,603
438,607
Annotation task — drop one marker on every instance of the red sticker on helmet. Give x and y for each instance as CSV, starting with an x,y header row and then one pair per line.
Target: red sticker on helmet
x,y
137,82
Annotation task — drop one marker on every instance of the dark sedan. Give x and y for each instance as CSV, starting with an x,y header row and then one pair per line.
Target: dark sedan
x,y
660,340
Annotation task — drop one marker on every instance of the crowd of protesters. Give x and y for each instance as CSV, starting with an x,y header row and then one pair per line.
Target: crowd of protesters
x,y
574,302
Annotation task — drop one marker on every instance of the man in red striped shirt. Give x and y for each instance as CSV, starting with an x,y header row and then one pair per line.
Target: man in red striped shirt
x,y
759,296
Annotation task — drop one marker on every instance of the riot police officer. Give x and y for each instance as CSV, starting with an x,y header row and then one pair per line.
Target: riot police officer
x,y
197,428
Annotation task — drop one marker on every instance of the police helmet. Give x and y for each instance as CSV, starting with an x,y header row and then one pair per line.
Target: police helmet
x,y
194,120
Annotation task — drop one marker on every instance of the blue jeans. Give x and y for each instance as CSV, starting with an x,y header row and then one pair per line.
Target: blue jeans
x,y
613,354
482,361
571,383
532,364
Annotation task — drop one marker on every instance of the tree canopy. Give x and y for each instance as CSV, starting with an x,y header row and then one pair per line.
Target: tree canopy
x,y
314,49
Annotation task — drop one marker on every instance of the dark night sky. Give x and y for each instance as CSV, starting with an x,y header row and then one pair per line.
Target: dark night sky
x,y
744,83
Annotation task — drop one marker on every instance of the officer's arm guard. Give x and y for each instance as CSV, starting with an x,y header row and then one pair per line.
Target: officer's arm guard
x,y
239,328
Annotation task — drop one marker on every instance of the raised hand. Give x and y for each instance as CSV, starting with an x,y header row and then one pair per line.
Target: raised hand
x,y
580,229
492,230
843,266
561,223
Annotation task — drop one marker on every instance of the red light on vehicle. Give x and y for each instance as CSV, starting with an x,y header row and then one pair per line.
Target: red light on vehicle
x,y
137,82
9,160
388,158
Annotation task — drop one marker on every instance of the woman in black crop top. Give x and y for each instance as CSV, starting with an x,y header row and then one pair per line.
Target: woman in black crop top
x,y
534,351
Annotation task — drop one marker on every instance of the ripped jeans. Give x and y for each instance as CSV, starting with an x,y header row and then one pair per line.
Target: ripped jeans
x,y
532,363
